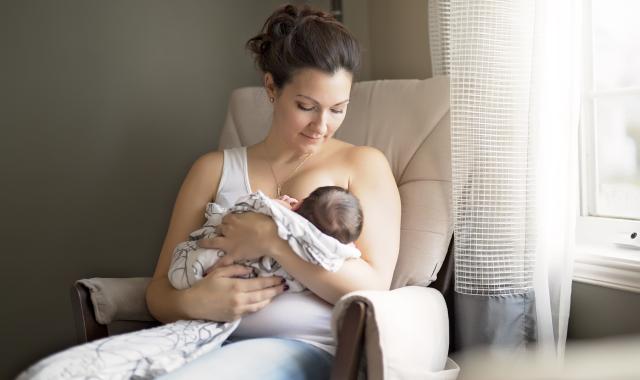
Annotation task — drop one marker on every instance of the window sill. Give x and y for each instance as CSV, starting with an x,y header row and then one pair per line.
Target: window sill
x,y
616,268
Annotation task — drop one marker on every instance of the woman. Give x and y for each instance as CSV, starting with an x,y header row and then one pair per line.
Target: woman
x,y
308,60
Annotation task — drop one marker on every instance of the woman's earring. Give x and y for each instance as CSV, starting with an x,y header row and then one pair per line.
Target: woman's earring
x,y
272,99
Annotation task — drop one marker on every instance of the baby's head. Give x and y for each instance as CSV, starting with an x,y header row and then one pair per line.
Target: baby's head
x,y
334,211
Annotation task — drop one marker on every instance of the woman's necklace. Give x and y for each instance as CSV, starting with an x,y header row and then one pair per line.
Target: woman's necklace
x,y
280,184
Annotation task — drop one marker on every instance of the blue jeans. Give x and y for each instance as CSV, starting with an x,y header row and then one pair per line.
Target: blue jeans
x,y
261,358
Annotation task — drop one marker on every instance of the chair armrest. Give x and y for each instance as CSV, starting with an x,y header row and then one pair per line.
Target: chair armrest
x,y
119,299
99,302
406,333
87,328
351,338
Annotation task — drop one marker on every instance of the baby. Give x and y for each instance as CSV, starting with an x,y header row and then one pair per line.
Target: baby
x,y
331,209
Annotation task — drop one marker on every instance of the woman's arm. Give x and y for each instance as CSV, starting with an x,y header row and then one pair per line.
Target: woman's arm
x,y
164,301
218,296
374,185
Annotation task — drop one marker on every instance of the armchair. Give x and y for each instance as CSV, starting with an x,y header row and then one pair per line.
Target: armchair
x,y
408,120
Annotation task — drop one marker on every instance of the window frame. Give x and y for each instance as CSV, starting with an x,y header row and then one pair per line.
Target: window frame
x,y
605,253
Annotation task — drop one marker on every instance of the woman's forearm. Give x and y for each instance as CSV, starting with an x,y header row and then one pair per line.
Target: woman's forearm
x,y
165,303
355,274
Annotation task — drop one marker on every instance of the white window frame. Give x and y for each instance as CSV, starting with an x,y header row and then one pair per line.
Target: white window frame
x,y
606,255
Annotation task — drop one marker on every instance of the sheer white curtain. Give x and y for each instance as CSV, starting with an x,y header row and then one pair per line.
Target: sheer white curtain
x,y
515,95
555,110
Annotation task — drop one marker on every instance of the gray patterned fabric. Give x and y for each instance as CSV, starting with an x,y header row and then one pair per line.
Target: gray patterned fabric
x,y
149,353
143,354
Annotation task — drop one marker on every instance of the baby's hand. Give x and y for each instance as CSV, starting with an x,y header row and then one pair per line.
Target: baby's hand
x,y
287,201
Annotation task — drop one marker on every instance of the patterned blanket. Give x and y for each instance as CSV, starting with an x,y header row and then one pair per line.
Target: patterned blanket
x,y
150,353
189,262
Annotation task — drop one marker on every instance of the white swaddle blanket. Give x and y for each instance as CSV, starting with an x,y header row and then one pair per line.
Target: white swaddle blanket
x,y
150,353
189,262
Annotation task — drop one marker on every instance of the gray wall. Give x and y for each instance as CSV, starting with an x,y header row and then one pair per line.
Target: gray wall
x,y
399,39
104,105
599,312
394,37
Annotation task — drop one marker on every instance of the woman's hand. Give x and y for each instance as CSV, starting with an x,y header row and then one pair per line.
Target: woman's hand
x,y
245,236
221,297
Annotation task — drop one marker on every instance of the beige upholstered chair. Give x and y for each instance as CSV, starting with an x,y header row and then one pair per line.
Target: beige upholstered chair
x,y
402,331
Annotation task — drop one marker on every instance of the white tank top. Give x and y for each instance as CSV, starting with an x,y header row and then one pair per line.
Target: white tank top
x,y
301,316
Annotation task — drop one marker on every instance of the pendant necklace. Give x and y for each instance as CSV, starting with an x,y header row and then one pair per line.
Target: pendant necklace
x,y
280,184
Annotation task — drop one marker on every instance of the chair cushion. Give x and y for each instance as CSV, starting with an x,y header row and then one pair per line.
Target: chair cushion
x,y
408,120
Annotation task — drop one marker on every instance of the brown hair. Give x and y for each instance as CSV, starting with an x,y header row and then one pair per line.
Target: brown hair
x,y
298,37
335,211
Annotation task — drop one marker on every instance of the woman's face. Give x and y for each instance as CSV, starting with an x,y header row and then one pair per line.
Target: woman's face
x,y
310,108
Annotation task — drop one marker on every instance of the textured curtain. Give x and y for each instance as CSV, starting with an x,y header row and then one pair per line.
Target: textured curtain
x,y
440,35
514,106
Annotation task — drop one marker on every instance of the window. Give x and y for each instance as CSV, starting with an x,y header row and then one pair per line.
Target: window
x,y
609,224
613,98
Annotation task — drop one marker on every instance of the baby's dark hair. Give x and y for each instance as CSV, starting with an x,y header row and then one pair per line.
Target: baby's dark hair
x,y
335,211
299,37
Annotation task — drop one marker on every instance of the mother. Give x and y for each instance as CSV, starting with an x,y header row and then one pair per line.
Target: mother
x,y
308,60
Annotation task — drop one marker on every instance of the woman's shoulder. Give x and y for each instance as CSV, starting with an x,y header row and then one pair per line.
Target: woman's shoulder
x,y
363,155
208,165
210,159
355,152
360,160
203,178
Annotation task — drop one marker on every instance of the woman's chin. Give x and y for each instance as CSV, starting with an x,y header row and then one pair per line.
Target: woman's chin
x,y
311,140
307,145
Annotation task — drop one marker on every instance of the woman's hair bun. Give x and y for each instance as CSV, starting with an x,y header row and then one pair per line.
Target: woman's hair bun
x,y
283,22
296,37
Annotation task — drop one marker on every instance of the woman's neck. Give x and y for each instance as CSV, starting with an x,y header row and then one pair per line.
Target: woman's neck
x,y
278,153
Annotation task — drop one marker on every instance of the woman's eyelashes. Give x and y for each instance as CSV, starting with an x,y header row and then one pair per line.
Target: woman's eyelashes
x,y
311,108
304,108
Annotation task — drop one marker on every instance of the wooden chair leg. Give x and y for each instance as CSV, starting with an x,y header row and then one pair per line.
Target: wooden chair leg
x,y
350,343
87,328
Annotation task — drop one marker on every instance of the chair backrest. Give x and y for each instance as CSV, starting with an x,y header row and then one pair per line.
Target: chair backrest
x,y
408,120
